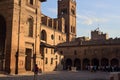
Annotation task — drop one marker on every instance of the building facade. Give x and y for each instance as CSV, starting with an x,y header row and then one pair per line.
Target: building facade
x,y
28,37
99,51
20,25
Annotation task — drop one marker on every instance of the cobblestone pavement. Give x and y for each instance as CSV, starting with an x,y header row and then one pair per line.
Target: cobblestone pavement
x,y
60,75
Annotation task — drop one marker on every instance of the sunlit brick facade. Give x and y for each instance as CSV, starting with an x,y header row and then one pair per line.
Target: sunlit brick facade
x,y
28,37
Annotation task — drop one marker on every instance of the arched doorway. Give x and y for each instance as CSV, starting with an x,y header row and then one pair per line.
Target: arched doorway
x,y
86,64
104,62
77,64
114,62
2,40
95,62
68,64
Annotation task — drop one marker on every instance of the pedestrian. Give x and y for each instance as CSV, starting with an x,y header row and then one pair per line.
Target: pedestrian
x,y
35,72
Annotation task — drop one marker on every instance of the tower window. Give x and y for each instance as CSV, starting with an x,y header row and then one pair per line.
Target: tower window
x,y
72,11
64,11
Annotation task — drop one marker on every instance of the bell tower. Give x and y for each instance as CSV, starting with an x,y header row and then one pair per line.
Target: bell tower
x,y
67,10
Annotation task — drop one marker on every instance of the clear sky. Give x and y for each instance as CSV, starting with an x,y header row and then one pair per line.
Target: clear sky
x,y
91,14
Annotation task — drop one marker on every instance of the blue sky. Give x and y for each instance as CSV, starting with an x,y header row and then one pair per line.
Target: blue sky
x,y
91,14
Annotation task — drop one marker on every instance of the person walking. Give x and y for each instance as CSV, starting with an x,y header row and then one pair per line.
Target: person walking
x,y
35,72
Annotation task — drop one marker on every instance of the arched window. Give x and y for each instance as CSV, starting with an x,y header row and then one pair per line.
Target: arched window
x,y
29,28
43,35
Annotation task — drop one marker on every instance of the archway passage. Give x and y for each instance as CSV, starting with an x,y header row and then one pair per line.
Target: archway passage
x,y
68,64
95,62
77,64
86,64
104,62
2,40
114,62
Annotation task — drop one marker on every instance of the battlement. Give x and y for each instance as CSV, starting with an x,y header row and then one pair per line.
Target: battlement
x,y
98,35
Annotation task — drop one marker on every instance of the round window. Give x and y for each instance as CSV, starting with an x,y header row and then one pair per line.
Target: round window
x,y
52,36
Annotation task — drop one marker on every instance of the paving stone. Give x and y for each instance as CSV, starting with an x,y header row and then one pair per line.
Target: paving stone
x,y
60,75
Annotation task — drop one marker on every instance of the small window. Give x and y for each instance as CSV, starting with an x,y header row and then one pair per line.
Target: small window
x,y
46,60
59,38
75,52
56,57
46,50
51,60
31,2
